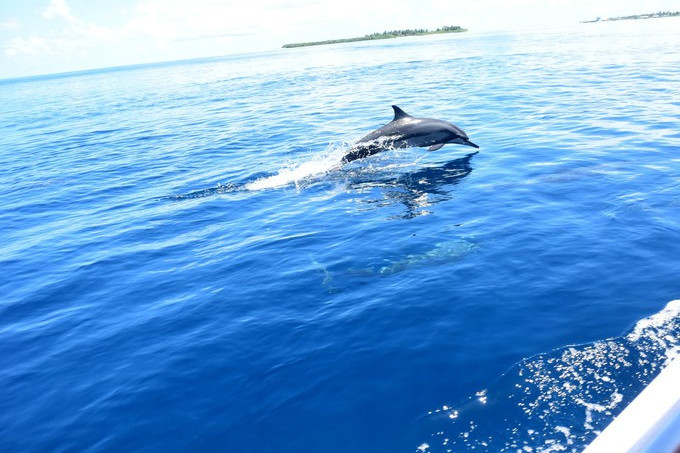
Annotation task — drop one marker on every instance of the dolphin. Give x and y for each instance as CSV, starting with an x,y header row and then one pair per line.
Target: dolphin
x,y
406,131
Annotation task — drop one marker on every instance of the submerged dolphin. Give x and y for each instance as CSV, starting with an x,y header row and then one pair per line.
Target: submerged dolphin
x,y
406,131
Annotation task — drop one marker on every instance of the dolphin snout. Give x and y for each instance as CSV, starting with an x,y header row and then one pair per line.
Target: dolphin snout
x,y
469,143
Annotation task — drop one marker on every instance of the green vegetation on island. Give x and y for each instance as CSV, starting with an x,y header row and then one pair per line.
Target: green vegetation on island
x,y
383,35
636,17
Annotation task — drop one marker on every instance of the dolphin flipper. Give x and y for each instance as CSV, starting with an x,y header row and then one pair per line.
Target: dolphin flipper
x,y
435,147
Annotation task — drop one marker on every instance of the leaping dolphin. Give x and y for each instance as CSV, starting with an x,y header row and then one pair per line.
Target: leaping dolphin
x,y
406,131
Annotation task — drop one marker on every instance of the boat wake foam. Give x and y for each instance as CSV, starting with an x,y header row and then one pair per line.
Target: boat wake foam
x,y
561,400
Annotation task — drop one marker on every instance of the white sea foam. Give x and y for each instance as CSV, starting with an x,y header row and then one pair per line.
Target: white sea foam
x,y
585,385
297,172
655,330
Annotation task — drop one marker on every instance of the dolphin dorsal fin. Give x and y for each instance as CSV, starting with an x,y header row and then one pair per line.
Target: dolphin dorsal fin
x,y
399,113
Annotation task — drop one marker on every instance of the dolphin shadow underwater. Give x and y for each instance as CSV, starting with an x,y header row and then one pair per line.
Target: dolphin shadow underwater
x,y
406,131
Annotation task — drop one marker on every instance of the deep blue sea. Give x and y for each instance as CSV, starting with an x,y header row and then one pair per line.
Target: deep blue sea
x,y
186,266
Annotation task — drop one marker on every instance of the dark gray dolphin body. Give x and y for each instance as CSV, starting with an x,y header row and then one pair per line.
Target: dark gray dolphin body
x,y
406,131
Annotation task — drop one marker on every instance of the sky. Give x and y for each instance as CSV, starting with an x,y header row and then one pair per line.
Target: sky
x,y
52,36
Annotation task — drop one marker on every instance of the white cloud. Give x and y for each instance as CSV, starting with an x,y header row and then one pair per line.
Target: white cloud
x,y
32,46
10,24
152,24
59,9
184,19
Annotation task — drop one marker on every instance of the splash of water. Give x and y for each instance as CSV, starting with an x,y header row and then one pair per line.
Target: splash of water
x,y
296,173
299,173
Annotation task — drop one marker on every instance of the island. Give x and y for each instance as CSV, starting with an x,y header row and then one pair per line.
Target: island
x,y
383,35
636,17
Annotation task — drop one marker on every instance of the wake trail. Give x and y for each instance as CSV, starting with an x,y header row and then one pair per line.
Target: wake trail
x,y
313,168
209,192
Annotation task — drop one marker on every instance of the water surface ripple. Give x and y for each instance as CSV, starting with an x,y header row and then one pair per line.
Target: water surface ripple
x,y
186,267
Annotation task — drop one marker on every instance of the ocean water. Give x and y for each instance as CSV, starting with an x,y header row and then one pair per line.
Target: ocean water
x,y
186,266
